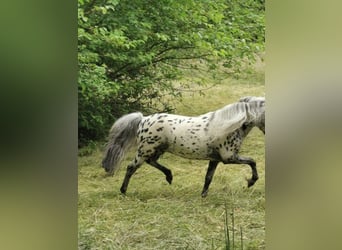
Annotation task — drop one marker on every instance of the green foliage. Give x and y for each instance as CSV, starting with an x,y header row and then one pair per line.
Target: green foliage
x,y
244,31
131,52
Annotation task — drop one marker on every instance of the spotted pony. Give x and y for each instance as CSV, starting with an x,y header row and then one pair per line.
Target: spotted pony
x,y
215,136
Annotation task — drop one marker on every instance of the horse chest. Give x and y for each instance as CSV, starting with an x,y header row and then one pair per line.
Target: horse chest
x,y
228,146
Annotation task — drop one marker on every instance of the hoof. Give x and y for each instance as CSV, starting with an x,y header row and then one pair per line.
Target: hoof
x,y
123,191
250,182
204,194
169,179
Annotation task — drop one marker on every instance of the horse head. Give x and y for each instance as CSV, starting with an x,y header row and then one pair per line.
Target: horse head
x,y
258,105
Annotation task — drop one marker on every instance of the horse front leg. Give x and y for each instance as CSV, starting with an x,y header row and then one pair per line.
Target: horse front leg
x,y
208,177
255,176
250,162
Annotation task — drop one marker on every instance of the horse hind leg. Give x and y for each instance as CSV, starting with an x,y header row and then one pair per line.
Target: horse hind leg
x,y
166,171
131,169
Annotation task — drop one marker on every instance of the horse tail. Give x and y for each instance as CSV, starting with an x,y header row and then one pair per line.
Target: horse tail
x,y
122,137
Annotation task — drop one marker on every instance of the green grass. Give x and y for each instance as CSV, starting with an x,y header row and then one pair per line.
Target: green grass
x,y
156,215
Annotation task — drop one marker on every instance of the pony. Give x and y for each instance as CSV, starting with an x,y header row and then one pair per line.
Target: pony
x,y
215,136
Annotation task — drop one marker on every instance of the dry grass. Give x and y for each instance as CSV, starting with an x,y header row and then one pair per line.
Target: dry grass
x,y
156,215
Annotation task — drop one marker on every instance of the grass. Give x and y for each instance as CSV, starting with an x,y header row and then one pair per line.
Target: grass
x,y
156,215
